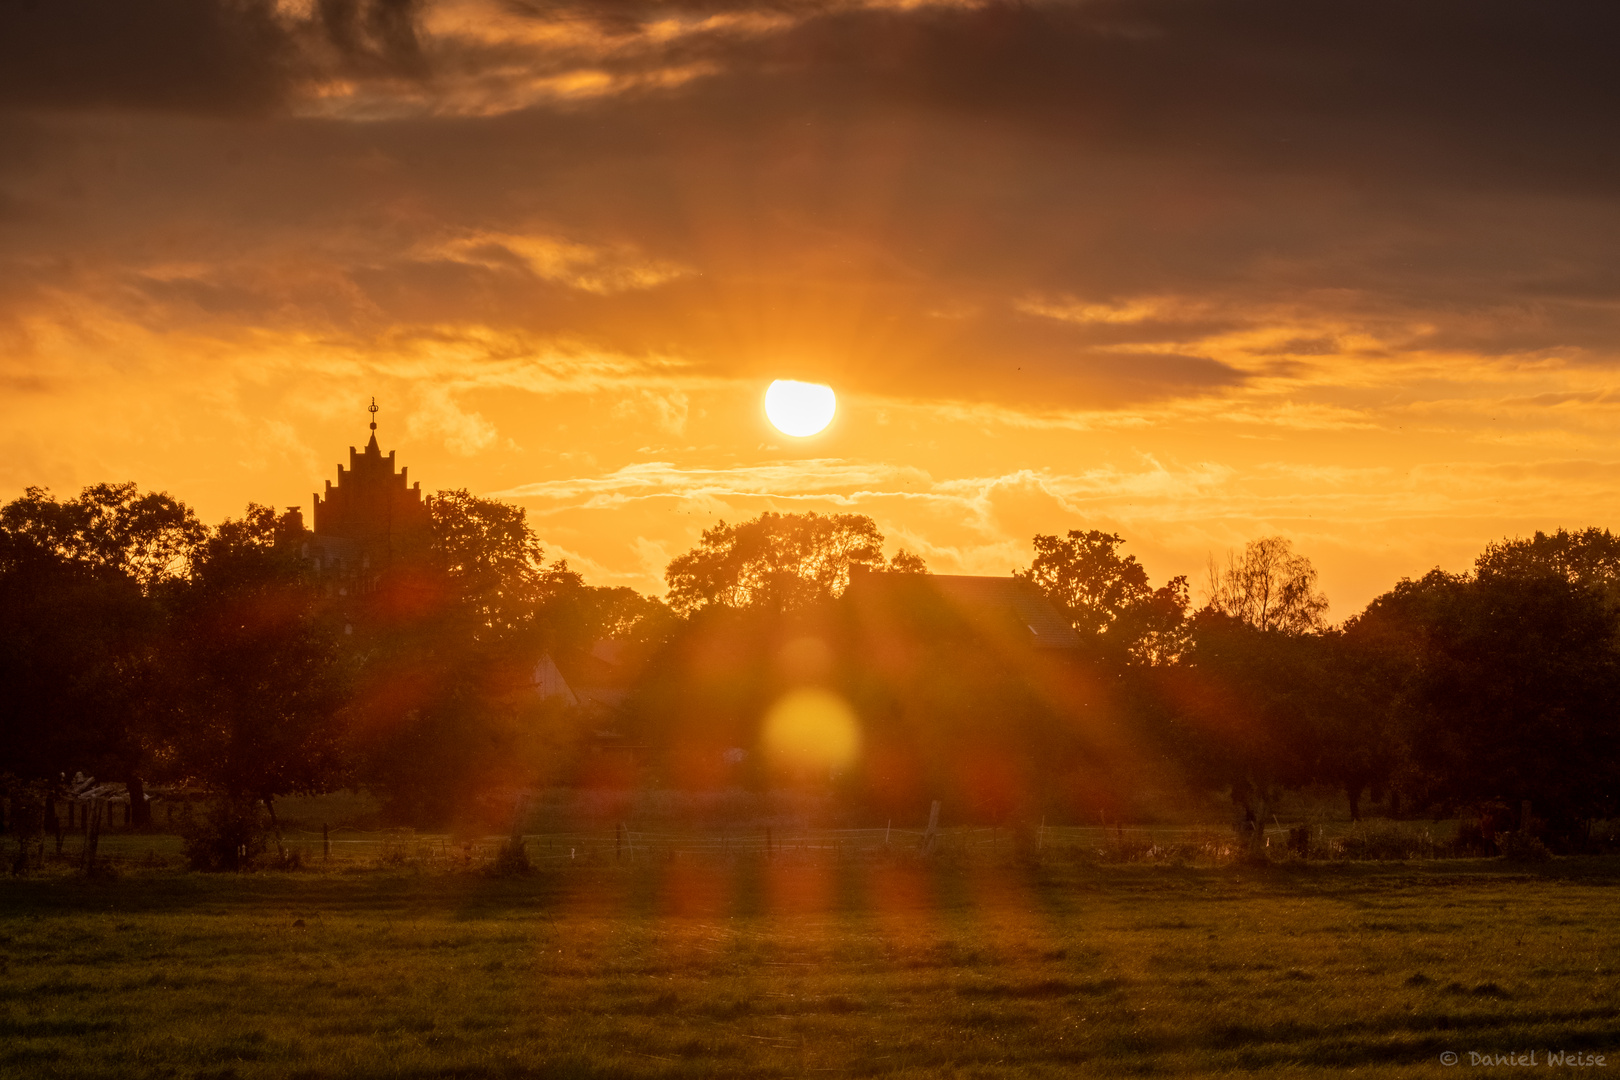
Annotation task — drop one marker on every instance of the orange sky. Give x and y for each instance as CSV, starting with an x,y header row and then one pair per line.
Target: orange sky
x,y
1194,272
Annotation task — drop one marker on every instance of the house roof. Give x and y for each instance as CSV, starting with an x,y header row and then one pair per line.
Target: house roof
x,y
990,601
549,683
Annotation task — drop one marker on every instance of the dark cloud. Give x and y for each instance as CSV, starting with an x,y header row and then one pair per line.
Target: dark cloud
x,y
1481,91
376,37
891,189
195,56
202,55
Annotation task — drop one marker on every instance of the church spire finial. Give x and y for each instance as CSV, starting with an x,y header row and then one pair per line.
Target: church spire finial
x,y
372,409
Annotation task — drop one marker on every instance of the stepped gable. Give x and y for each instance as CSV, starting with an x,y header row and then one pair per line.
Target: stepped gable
x,y
371,516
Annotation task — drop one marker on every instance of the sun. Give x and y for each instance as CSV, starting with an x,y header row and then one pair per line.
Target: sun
x,y
800,409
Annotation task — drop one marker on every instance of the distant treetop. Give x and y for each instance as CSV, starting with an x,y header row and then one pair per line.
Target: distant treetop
x,y
780,562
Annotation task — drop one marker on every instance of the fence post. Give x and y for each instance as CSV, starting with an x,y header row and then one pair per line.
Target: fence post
x,y
932,834
92,835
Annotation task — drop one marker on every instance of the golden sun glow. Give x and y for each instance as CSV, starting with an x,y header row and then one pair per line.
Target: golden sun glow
x,y
800,409
812,728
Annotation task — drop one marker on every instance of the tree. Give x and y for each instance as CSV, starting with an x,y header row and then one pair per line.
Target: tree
x,y
1253,711
1511,692
1107,598
1259,699
445,705
493,562
260,665
574,616
83,583
1590,557
149,538
907,562
778,562
1268,587
72,646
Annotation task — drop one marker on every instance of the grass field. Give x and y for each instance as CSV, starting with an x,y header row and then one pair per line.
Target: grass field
x,y
870,965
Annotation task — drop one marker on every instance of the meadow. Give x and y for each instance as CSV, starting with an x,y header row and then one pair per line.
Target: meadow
x,y
733,960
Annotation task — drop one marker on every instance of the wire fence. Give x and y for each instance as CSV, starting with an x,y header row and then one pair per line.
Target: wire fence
x,y
625,843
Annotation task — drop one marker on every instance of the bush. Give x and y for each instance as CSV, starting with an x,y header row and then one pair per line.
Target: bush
x,y
512,859
289,859
398,848
1521,847
1384,840
230,837
1472,841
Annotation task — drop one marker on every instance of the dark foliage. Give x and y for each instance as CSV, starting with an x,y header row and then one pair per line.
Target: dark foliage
x,y
229,836
139,646
1510,693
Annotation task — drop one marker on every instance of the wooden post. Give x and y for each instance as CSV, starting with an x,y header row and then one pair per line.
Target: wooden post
x,y
932,835
92,834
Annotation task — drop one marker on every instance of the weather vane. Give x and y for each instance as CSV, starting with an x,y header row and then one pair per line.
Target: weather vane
x,y
372,409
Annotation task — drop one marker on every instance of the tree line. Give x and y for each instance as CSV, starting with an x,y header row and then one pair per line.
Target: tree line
x,y
142,646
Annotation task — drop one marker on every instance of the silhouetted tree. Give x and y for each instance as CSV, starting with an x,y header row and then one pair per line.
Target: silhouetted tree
x,y
1107,598
907,562
492,562
780,562
149,538
1358,698
260,666
1514,693
1268,587
84,583
1253,711
446,708
1588,557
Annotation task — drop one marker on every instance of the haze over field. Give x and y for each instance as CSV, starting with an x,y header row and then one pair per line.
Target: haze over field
x,y
1195,272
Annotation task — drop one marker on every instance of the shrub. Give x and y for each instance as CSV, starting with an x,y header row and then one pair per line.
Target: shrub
x,y
512,859
398,847
230,837
1521,847
1384,840
289,859
1127,849
1472,841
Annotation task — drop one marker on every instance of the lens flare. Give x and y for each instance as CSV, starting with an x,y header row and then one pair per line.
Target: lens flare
x,y
812,729
800,409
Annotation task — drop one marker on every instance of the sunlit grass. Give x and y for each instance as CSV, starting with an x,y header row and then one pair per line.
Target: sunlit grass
x,y
747,966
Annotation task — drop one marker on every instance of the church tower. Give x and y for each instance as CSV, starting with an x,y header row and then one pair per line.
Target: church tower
x,y
369,519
